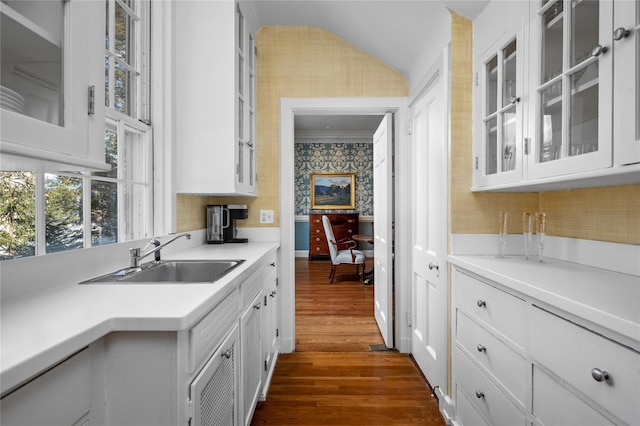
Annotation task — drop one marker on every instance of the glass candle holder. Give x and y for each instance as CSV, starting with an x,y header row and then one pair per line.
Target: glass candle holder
x,y
527,231
503,225
541,232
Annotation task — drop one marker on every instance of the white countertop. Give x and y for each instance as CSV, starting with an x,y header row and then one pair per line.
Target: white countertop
x,y
608,299
39,330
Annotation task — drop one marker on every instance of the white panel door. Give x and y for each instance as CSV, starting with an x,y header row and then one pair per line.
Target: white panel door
x,y
429,229
383,227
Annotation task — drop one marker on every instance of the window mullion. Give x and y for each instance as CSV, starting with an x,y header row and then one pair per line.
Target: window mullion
x,y
41,228
122,218
111,49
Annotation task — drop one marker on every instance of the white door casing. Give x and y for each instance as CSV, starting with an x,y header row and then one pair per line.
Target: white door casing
x,y
429,229
383,228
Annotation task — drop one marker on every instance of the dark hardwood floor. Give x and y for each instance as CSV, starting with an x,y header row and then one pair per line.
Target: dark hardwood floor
x,y
333,377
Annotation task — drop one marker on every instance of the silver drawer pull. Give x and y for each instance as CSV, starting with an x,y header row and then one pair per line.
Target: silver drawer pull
x,y
482,348
599,375
481,303
479,394
620,33
226,354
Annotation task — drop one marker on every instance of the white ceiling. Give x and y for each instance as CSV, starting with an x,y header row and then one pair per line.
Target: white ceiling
x,y
394,31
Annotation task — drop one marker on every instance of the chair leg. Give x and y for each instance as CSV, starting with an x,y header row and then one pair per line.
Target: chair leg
x,y
332,275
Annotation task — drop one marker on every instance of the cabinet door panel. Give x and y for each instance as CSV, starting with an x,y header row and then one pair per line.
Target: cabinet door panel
x,y
58,397
626,68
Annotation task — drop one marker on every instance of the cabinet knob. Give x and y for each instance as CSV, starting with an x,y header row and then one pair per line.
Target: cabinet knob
x,y
317,231
599,50
599,375
481,303
257,306
479,394
350,231
482,348
226,354
273,264
272,294
620,33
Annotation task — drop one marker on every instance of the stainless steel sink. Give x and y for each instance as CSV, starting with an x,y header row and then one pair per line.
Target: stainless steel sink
x,y
170,272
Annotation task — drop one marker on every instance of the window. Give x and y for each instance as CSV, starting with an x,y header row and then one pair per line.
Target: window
x,y
44,212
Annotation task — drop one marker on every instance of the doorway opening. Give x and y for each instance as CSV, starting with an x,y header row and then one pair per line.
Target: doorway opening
x,y
315,110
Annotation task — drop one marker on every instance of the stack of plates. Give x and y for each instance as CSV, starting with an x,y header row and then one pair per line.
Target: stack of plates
x,y
11,100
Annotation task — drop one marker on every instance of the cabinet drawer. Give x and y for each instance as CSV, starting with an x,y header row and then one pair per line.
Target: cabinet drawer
x,y
466,412
483,394
501,311
318,249
572,352
252,286
507,366
547,407
206,335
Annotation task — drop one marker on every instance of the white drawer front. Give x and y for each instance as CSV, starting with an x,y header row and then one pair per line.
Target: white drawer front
x,y
572,411
571,352
484,395
500,310
207,334
252,286
466,412
506,365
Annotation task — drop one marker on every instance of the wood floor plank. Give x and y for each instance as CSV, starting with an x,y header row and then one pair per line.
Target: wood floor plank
x,y
333,378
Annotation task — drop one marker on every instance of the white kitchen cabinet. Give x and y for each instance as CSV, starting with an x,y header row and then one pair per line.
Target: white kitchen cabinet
x,y
519,360
52,58
214,392
626,78
498,97
215,98
60,396
250,331
578,107
571,87
270,323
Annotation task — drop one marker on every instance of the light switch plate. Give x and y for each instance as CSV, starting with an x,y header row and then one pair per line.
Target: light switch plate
x,y
266,216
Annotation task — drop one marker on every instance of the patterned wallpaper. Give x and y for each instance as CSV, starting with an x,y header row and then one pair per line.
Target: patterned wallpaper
x,y
334,155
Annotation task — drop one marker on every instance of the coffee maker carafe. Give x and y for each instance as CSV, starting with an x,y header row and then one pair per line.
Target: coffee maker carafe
x,y
221,223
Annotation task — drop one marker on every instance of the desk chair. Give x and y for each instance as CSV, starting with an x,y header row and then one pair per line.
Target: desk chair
x,y
342,252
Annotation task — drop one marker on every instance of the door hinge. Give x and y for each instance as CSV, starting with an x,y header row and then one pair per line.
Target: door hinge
x,y
477,79
409,320
526,146
265,365
91,108
277,332
277,282
189,407
265,300
409,127
476,163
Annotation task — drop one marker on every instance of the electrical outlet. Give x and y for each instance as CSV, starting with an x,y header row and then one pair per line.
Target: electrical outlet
x,y
266,216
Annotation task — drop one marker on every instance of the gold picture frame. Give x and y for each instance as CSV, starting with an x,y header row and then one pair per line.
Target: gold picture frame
x,y
333,191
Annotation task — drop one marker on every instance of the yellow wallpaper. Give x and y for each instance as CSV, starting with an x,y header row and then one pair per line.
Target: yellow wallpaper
x,y
295,62
604,214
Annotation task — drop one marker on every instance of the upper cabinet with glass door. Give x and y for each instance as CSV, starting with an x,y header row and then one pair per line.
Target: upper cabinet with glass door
x,y
626,76
572,83
52,61
215,108
498,97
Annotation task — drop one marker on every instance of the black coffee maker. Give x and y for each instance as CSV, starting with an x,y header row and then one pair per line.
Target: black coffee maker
x,y
234,212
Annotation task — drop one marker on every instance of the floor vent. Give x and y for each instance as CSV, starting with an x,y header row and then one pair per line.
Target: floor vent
x,y
375,348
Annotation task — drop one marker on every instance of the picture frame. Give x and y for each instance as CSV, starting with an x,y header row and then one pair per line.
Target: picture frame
x,y
333,191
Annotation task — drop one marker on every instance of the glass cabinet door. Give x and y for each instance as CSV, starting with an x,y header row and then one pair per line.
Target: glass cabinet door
x,y
626,68
32,57
498,156
573,88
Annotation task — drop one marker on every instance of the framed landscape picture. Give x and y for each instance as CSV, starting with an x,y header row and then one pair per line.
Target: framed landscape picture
x,y
333,191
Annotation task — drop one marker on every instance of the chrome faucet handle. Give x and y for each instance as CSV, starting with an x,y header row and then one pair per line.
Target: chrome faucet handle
x,y
135,257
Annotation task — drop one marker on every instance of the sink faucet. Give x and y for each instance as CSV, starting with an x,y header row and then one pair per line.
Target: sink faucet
x,y
137,256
